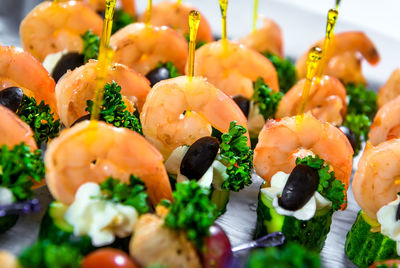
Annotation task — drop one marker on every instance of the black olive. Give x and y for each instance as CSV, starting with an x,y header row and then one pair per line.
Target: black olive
x,y
83,118
157,75
67,62
300,187
199,157
11,98
102,14
243,103
350,136
398,213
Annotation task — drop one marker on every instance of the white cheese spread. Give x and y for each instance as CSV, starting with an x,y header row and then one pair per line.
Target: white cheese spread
x,y
389,225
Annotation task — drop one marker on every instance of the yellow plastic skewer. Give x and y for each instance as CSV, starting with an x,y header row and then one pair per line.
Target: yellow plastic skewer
x,y
148,12
105,56
223,5
194,21
314,58
179,2
255,15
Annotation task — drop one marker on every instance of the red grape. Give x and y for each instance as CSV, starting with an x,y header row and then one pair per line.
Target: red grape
x,y
217,252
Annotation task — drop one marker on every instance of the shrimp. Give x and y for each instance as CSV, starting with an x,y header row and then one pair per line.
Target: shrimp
x,y
100,5
13,130
19,69
94,151
327,100
144,47
386,124
53,27
281,141
375,181
268,38
176,15
342,60
234,68
78,86
391,89
203,106
8,260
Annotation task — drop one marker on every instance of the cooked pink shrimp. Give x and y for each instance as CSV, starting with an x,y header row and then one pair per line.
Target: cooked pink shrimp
x,y
144,47
8,260
386,124
18,68
327,100
78,86
52,27
100,5
233,67
375,182
282,140
13,130
175,15
391,89
93,151
343,59
164,124
268,38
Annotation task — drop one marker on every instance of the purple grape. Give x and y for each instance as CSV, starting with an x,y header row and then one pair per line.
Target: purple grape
x,y
217,252
25,207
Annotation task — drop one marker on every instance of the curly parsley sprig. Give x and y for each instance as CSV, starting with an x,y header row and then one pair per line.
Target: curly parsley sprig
x,y
199,43
192,211
131,194
329,187
113,109
173,71
121,19
266,99
359,124
361,100
237,156
19,169
91,44
286,71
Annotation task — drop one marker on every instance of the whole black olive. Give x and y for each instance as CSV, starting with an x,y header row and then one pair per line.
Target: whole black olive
x,y
199,157
300,187
243,103
67,62
398,213
83,118
11,98
157,75
350,136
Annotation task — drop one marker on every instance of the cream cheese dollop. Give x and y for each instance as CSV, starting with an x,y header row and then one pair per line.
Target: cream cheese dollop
x,y
390,227
51,60
100,219
278,182
6,196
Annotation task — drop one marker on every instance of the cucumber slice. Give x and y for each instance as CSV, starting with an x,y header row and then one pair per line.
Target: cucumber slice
x,y
220,198
7,222
364,247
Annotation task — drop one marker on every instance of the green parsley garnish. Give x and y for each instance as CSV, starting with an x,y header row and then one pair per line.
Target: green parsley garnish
x,y
39,118
133,194
199,43
19,169
91,44
329,187
266,99
113,109
45,254
173,71
121,19
286,71
237,156
359,124
192,211
361,100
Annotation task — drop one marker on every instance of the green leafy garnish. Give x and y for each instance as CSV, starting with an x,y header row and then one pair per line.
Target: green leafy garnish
x,y
329,187
192,211
199,43
266,99
286,71
133,194
173,71
44,254
359,124
19,169
361,100
113,109
237,156
39,118
91,44
121,19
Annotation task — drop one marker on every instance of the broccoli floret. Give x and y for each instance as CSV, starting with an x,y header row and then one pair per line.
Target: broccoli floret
x,y
286,71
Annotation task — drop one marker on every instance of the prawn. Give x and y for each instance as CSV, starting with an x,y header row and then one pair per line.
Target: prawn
x,y
143,47
343,59
268,38
94,151
375,181
234,68
386,125
100,5
53,27
391,89
175,15
179,112
19,69
78,86
281,141
326,101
